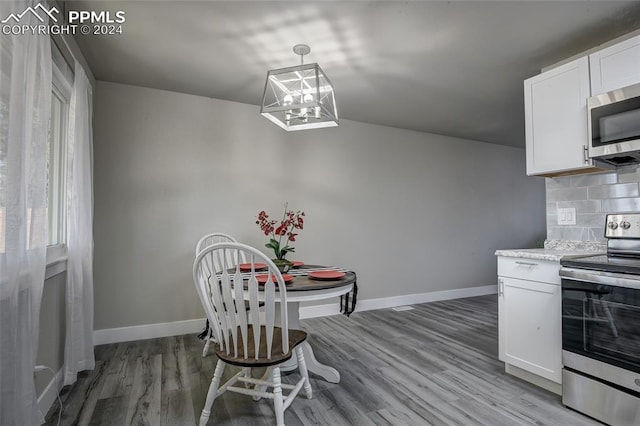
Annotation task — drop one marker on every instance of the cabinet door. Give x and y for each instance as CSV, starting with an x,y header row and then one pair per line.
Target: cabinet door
x,y
615,67
556,119
529,327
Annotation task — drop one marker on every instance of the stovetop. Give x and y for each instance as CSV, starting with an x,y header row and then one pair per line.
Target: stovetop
x,y
603,262
622,231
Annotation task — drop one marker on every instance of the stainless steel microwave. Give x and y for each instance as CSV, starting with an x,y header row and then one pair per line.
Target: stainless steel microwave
x,y
614,126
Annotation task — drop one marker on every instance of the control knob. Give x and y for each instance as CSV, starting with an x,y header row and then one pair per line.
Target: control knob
x,y
625,225
613,225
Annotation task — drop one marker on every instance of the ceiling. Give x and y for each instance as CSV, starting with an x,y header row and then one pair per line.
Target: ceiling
x,y
454,68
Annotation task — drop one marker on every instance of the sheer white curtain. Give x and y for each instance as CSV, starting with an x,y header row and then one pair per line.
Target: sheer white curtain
x,y
78,352
25,103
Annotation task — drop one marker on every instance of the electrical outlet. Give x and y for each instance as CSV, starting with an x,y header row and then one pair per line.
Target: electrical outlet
x,y
567,216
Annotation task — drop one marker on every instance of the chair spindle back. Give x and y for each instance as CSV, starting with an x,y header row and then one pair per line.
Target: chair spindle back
x,y
218,261
223,293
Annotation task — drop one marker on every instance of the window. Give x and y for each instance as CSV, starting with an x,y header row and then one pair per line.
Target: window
x,y
57,149
56,168
62,78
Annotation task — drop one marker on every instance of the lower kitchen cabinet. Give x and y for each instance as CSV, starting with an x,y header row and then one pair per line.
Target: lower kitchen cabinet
x,y
529,320
530,329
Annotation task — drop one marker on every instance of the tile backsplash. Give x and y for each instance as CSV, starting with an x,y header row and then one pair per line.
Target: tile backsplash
x,y
593,196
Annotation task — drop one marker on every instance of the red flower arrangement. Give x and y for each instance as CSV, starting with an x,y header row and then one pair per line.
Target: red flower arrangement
x,y
291,221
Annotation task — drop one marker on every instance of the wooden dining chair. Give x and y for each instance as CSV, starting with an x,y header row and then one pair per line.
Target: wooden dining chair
x,y
207,240
214,238
244,338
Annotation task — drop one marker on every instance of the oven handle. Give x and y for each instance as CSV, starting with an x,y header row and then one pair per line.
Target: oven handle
x,y
601,277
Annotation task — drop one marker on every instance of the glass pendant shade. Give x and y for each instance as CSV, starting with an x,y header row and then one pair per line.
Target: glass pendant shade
x,y
299,98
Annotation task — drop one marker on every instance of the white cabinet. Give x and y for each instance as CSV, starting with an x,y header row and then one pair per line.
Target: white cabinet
x,y
529,316
615,67
556,119
556,107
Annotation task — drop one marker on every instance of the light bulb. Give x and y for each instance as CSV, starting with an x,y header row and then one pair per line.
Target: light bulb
x,y
287,100
306,98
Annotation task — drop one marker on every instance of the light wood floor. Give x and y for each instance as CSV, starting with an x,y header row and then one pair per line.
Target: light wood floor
x,y
436,364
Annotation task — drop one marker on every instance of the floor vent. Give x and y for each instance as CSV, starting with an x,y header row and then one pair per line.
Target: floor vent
x,y
403,308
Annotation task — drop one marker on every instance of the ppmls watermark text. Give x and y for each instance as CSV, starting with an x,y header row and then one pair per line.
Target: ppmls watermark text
x,y
77,21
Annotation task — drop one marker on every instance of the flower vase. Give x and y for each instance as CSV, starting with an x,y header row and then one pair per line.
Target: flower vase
x,y
283,265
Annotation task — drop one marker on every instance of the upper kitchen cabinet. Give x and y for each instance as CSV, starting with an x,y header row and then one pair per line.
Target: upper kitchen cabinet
x,y
616,66
556,120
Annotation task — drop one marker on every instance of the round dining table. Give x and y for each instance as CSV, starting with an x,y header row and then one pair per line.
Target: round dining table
x,y
300,289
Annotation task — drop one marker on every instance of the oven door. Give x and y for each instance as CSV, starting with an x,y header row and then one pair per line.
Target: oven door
x,y
601,316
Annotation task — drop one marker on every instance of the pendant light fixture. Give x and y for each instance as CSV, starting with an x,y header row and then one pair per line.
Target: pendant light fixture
x,y
299,97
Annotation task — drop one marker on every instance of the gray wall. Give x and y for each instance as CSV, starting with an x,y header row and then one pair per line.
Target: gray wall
x,y
52,330
593,196
409,212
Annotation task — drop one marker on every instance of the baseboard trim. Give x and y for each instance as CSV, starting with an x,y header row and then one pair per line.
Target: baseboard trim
x,y
149,331
392,302
50,393
533,378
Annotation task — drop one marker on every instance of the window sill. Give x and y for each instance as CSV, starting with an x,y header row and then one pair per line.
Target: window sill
x,y
56,261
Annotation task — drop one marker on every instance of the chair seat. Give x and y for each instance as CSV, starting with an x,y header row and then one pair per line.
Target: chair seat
x,y
295,338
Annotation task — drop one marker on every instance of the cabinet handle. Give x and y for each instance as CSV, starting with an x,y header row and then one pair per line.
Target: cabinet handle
x,y
585,151
500,287
526,263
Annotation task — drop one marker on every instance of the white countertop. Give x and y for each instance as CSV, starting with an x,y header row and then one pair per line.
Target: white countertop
x,y
553,255
554,250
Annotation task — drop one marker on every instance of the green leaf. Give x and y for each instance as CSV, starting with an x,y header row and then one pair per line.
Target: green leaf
x,y
287,249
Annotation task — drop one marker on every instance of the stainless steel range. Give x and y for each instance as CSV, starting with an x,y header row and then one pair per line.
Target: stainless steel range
x,y
601,327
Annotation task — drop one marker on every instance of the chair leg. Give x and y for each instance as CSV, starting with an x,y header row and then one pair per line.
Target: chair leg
x,y
205,350
302,365
208,341
265,377
212,393
247,373
278,402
